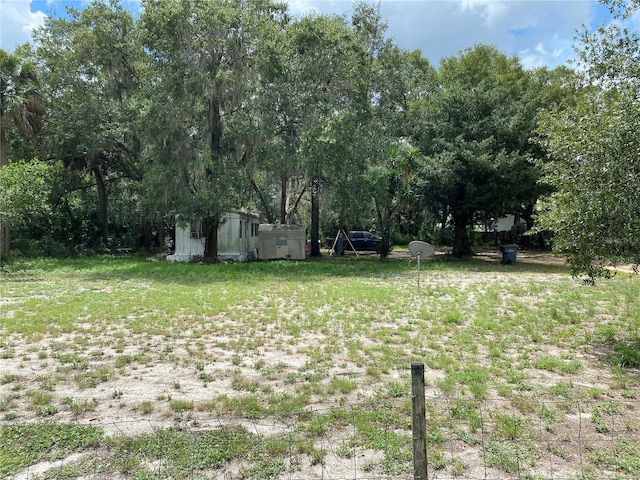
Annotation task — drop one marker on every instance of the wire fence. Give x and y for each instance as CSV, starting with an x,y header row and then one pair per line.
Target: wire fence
x,y
489,439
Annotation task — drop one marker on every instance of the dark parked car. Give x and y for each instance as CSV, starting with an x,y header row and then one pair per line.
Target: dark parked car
x,y
361,241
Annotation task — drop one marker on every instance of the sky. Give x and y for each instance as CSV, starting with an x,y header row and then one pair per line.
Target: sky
x,y
539,32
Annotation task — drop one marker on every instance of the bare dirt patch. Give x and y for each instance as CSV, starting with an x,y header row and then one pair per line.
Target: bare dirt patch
x,y
469,327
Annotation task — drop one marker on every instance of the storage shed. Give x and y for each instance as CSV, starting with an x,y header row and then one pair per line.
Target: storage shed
x,y
237,238
281,242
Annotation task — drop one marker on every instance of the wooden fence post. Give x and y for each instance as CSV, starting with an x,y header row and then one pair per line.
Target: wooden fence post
x,y
419,422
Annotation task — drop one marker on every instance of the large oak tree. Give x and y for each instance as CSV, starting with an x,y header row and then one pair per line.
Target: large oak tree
x,y
474,130
203,64
594,151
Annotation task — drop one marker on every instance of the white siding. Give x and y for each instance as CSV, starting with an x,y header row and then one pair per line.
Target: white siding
x,y
282,242
237,239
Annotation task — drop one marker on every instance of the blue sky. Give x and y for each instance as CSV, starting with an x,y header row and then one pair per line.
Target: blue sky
x,y
540,32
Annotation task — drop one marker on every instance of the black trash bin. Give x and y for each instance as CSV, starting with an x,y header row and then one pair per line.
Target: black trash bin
x,y
509,254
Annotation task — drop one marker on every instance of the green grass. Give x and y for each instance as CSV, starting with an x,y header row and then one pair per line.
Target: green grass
x,y
26,444
336,335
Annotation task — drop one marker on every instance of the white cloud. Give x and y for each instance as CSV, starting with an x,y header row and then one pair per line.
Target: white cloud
x,y
439,28
301,6
16,23
541,55
491,11
442,28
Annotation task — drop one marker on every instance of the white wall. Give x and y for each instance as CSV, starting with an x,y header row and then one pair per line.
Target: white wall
x,y
282,241
237,239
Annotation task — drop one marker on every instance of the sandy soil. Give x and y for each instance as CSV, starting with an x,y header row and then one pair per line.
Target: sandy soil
x,y
164,372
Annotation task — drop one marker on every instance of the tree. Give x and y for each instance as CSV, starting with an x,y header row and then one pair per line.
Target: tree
x,y
24,195
399,79
311,83
203,68
21,108
474,129
90,64
594,152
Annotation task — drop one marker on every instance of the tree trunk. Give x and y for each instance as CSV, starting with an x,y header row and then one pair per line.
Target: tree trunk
x,y
461,240
443,220
4,238
4,222
161,238
102,203
384,224
147,235
283,199
211,239
315,218
266,207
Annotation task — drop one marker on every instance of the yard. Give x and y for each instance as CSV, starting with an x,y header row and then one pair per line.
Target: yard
x,y
126,367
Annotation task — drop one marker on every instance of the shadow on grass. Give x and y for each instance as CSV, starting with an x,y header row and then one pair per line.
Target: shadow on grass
x,y
302,271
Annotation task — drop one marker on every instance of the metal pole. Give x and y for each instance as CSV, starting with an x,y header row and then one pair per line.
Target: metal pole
x,y
418,255
419,421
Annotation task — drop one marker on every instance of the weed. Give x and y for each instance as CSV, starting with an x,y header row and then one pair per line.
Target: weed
x,y
508,427
623,456
123,360
626,354
503,455
436,459
46,382
38,398
341,385
8,378
317,457
478,337
241,383
265,468
6,402
600,413
458,467
76,361
181,405
92,378
7,353
79,406
559,365
46,410
547,416
204,376
236,360
117,393
397,389
146,407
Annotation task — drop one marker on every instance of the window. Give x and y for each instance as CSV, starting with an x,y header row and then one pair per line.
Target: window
x,y
196,229
241,228
281,241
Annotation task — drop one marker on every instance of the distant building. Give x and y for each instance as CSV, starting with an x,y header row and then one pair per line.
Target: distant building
x,y
282,242
237,238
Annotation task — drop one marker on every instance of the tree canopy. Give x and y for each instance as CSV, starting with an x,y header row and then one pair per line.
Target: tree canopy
x,y
594,154
474,131
195,108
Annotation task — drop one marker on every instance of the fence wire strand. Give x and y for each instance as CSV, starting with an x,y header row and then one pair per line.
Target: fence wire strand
x,y
490,439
